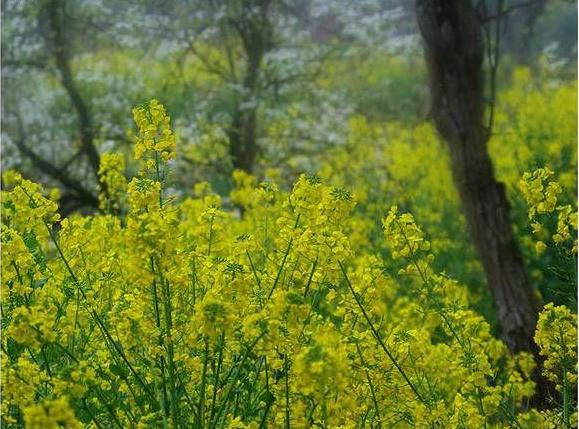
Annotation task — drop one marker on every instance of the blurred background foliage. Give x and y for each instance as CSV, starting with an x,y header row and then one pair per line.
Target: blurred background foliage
x,y
277,88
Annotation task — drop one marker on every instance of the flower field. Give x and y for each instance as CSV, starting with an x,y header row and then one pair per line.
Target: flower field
x,y
305,306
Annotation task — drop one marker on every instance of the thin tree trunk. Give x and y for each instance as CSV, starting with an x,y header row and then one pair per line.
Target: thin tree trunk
x,y
454,50
255,33
59,46
242,139
243,133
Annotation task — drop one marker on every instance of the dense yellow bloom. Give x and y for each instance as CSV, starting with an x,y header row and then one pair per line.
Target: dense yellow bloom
x,y
404,236
156,141
112,175
269,308
541,193
26,208
144,195
557,339
51,415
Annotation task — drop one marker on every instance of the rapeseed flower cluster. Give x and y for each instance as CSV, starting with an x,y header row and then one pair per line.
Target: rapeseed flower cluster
x,y
271,308
112,176
541,194
155,134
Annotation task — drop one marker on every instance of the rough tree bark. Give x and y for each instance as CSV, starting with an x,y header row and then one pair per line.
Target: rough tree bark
x,y
454,51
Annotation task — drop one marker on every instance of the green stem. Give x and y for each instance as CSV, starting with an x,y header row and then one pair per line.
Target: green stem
x,y
232,384
201,406
96,317
163,399
310,278
216,374
287,398
379,339
168,311
372,390
566,414
287,250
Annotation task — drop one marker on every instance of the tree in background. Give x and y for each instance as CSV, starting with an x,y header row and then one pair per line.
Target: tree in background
x,y
249,84
454,51
51,34
231,40
264,54
258,59
251,22
40,43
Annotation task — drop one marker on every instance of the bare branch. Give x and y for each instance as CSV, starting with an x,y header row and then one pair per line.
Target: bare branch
x,y
21,63
509,9
72,185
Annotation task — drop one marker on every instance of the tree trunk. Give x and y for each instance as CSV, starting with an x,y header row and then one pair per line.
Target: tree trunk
x,y
59,47
242,139
454,50
256,35
57,40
